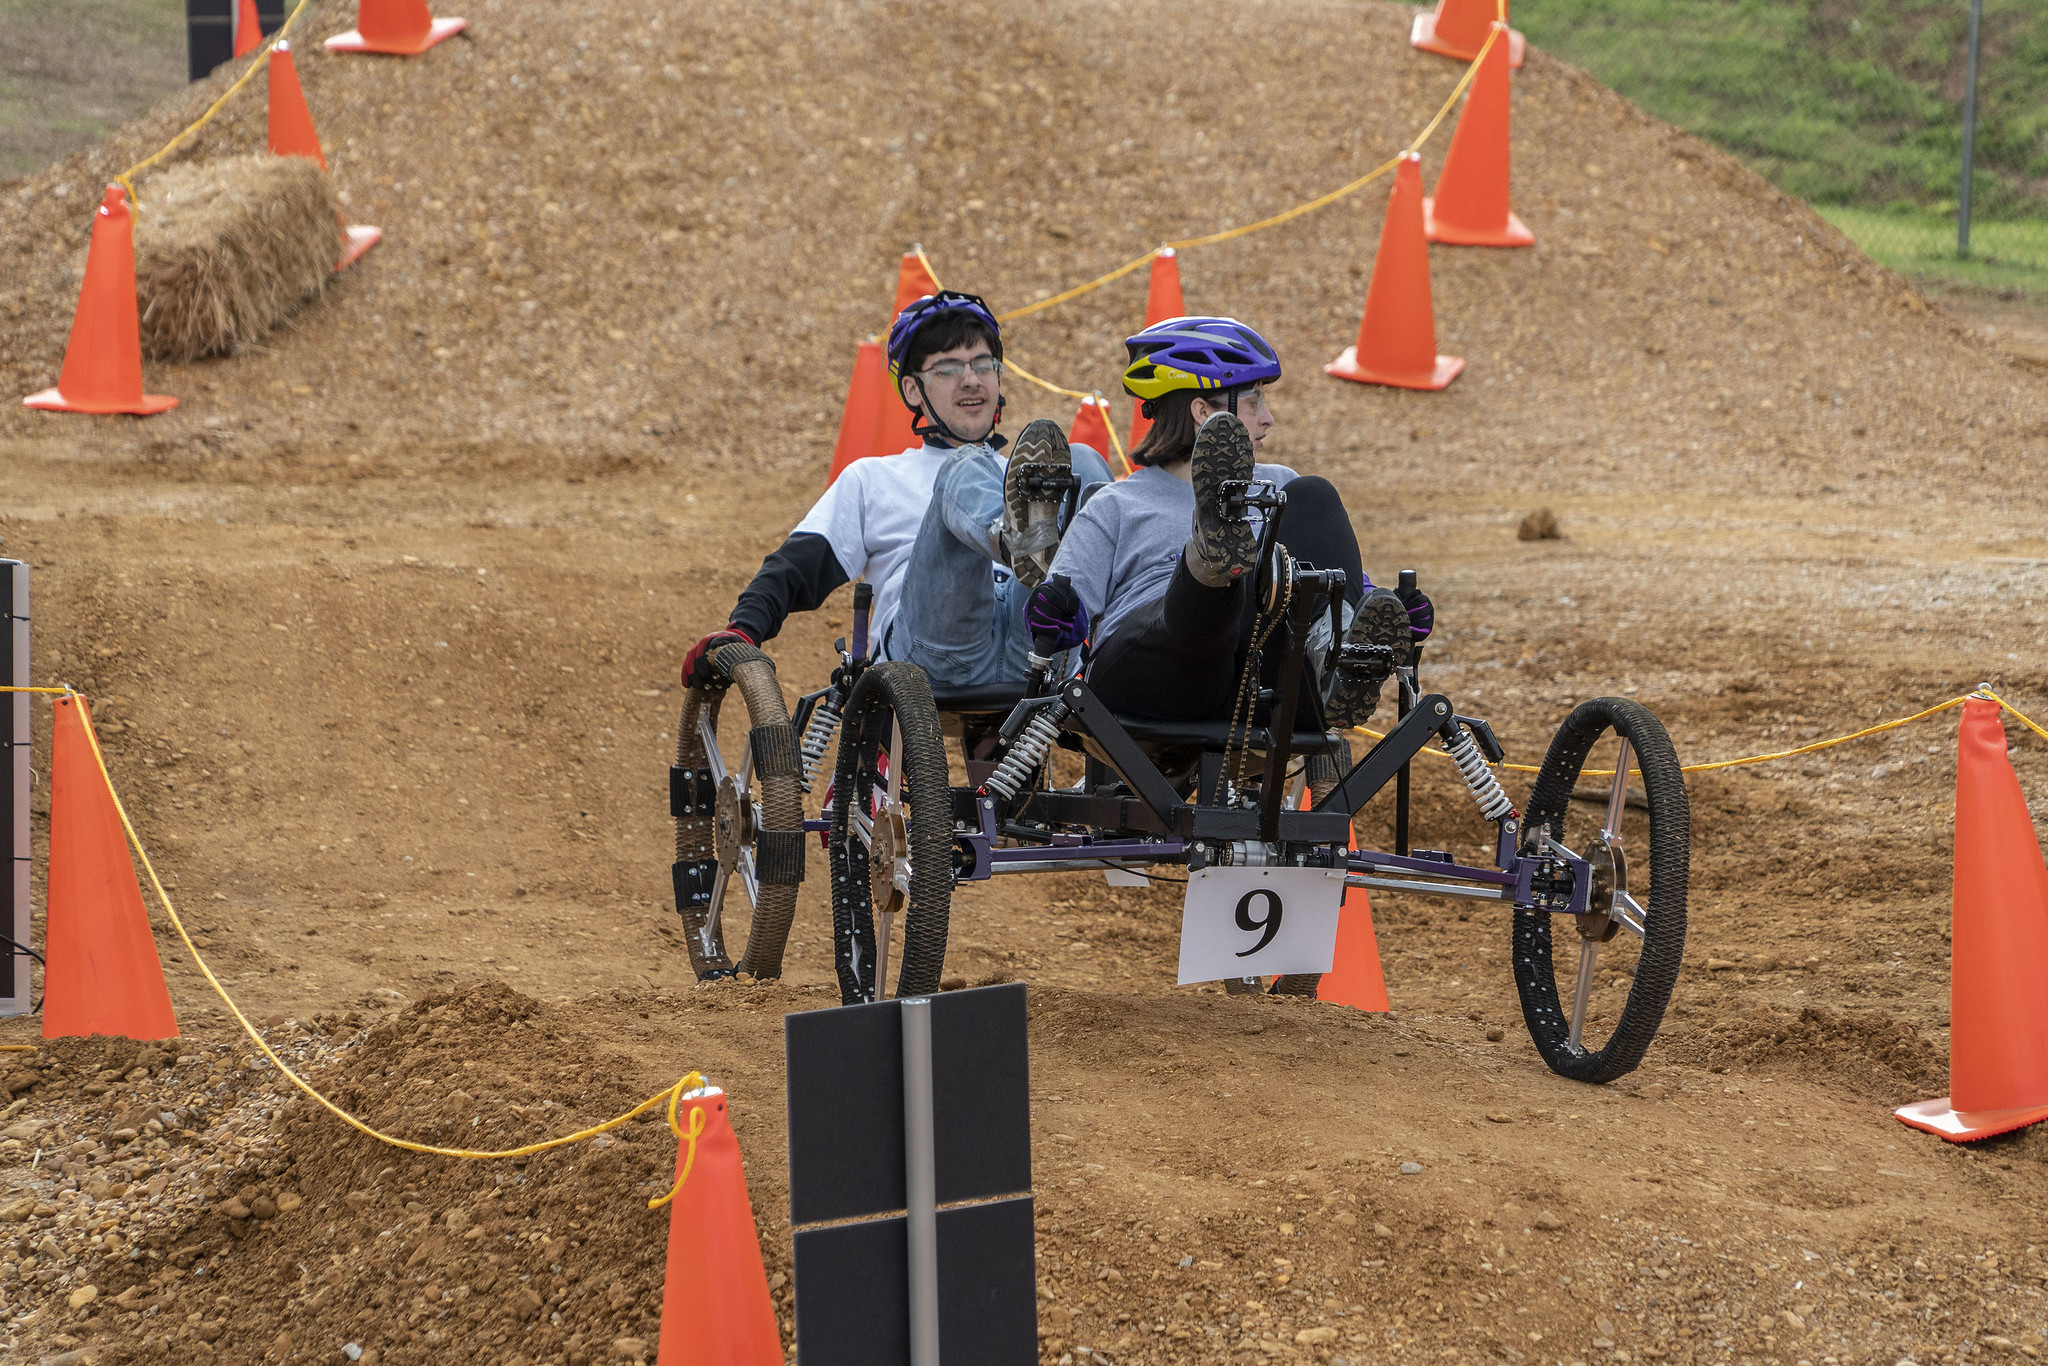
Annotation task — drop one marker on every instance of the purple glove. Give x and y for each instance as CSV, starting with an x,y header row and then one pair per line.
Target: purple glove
x,y
1056,616
1421,614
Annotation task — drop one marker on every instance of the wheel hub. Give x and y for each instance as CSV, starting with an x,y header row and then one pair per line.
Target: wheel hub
x,y
1609,866
731,823
889,861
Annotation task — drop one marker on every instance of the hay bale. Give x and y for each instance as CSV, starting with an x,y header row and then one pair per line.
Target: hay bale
x,y
1540,525
226,250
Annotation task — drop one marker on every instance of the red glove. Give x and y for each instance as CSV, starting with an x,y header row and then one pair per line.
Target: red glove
x,y
698,670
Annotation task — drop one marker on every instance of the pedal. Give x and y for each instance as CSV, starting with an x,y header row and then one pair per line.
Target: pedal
x,y
1239,495
1042,485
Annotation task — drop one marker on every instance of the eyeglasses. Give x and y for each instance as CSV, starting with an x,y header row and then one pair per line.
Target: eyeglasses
x,y
982,366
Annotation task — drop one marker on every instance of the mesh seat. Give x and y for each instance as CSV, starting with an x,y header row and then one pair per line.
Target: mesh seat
x,y
987,697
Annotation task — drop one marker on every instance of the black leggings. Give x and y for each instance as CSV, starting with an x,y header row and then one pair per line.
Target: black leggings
x,y
1181,657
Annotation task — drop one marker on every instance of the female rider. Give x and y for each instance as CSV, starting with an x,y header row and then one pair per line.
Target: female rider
x,y
1164,565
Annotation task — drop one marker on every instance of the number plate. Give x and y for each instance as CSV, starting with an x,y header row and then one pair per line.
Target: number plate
x,y
1244,922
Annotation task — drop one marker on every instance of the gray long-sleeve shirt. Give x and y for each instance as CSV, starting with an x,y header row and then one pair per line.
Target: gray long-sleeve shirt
x,y
1122,547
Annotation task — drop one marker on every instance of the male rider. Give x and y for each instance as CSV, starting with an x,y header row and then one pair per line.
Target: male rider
x,y
944,531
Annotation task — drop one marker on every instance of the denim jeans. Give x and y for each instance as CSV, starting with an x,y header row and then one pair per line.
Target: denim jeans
x,y
962,615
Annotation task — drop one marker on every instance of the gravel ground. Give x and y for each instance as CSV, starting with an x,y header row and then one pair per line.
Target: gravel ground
x,y
381,627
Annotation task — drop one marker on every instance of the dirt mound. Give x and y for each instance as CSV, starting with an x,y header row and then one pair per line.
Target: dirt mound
x,y
1875,1054
425,1258
382,625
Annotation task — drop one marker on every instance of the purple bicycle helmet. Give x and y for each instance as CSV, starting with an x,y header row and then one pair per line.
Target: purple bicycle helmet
x,y
1197,353
921,311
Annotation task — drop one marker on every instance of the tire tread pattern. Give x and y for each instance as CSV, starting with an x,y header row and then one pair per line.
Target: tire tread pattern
x,y
1670,855
892,690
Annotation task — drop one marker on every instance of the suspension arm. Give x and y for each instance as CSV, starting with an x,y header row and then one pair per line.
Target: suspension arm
x,y
1429,715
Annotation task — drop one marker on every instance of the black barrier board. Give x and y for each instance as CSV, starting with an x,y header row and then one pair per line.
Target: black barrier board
x,y
853,1289
210,31
845,1112
14,788
851,1157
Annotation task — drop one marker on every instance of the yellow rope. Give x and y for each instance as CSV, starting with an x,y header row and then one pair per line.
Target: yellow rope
x,y
1026,375
1985,691
1764,758
673,1094
1285,216
1098,400
17,1048
63,690
256,62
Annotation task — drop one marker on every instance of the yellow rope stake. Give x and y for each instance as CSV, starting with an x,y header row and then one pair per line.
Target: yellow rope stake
x,y
697,1123
673,1095
256,63
17,1048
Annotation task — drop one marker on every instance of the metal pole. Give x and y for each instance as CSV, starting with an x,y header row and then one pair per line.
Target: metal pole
x,y
1401,713
1969,131
15,739
920,1187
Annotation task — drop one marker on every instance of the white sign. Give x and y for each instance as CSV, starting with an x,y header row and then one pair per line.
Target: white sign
x,y
1244,922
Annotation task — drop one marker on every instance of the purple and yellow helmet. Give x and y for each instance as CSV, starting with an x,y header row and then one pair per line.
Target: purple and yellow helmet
x,y
1197,353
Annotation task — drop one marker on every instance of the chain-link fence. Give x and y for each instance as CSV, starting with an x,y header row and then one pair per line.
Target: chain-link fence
x,y
1853,105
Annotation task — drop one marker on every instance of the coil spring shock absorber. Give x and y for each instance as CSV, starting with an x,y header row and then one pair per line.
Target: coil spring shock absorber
x,y
818,737
1486,789
1027,753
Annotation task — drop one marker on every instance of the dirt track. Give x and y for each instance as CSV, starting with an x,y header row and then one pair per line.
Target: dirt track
x,y
382,627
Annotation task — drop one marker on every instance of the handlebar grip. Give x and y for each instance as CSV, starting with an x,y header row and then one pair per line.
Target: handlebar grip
x,y
1407,578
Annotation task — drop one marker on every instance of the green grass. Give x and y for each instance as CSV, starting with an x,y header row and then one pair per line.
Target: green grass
x,y
71,70
1853,103
2009,257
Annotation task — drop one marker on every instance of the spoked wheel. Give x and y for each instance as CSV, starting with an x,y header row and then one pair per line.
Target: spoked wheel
x,y
1586,1030
892,836
737,798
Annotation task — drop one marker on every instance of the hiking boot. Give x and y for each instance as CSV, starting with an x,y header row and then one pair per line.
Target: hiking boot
x,y
1035,485
1376,645
1224,546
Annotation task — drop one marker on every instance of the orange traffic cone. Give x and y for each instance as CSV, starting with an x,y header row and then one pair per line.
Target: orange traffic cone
x,y
1397,336
858,420
1091,429
1471,204
103,361
248,28
402,28
893,420
1354,978
1998,1015
1457,29
715,1309
1162,301
102,976
292,135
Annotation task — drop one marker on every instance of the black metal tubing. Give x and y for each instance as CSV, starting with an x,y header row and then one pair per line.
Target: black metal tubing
x,y
1431,714
1130,761
1280,717
1240,823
